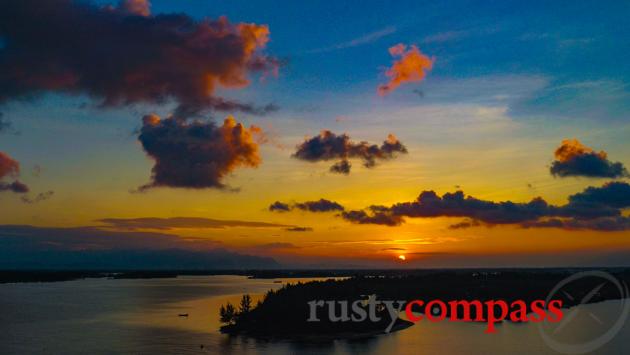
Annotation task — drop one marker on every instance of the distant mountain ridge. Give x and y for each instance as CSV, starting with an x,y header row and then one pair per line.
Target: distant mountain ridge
x,y
92,248
170,259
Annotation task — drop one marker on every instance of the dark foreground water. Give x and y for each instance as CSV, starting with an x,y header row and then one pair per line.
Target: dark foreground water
x,y
100,316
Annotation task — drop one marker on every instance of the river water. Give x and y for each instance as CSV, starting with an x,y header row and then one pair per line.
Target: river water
x,y
141,316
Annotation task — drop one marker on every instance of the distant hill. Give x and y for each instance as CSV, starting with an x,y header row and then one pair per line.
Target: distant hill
x,y
91,248
171,259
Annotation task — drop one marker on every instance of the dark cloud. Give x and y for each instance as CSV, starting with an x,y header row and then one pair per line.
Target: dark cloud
x,y
456,204
595,208
603,224
183,222
10,168
464,224
299,229
329,146
42,196
342,167
575,159
377,216
196,154
279,207
614,194
15,186
124,55
321,205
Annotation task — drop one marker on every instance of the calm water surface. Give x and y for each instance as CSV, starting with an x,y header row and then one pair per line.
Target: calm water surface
x,y
100,316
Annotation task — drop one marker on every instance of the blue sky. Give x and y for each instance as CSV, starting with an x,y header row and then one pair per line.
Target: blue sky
x,y
338,46
579,48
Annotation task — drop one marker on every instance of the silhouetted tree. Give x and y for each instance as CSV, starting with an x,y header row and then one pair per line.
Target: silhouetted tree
x,y
227,313
246,304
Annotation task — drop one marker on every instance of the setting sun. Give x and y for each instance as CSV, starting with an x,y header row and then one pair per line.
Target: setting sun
x,y
402,257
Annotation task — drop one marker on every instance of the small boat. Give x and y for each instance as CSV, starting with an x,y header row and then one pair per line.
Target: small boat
x,y
183,315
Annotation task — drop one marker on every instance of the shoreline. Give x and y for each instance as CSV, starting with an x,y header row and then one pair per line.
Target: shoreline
x,y
24,276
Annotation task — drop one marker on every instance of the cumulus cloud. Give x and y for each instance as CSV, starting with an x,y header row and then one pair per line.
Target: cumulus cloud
x,y
410,66
342,167
15,186
321,205
575,159
124,55
457,204
10,168
381,217
196,154
595,208
613,194
330,146
279,207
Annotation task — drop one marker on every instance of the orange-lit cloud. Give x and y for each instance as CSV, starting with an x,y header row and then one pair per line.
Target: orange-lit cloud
x,y
196,154
570,148
411,66
575,159
136,7
10,168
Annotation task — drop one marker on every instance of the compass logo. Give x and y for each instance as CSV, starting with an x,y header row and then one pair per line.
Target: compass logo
x,y
599,329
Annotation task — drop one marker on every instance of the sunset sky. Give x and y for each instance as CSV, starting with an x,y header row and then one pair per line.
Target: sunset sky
x,y
116,112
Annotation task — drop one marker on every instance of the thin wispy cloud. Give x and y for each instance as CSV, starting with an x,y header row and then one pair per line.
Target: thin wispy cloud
x,y
359,41
183,222
445,36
